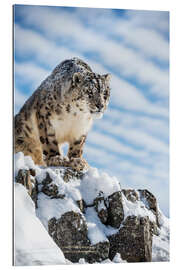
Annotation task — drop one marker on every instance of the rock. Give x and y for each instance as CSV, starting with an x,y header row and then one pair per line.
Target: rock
x,y
70,234
47,180
154,228
34,193
98,252
82,205
100,207
133,241
70,174
131,194
115,209
151,203
32,172
51,189
25,178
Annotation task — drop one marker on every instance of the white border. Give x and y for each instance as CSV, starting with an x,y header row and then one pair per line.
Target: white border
x,y
6,127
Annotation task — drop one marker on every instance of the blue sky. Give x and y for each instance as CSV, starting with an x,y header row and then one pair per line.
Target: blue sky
x,y
131,141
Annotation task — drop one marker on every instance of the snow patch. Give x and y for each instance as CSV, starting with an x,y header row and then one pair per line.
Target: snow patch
x,y
49,208
95,182
137,208
117,259
160,245
33,245
97,232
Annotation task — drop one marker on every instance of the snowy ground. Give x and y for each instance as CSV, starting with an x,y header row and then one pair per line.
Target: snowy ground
x,y
34,246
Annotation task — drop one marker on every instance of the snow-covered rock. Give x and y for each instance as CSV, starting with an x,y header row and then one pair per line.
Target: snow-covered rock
x,y
89,217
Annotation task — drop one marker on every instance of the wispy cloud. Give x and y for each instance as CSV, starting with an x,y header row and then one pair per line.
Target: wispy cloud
x,y
135,136
30,73
112,53
19,99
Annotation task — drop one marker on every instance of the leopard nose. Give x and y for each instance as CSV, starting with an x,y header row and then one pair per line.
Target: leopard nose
x,y
100,106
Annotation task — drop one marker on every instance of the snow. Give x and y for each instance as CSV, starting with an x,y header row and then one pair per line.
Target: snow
x,y
137,208
23,162
49,208
97,232
95,182
30,223
95,227
82,261
117,259
160,247
33,245
101,206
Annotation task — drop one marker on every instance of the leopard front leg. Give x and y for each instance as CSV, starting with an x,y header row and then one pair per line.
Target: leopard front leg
x,y
76,161
53,156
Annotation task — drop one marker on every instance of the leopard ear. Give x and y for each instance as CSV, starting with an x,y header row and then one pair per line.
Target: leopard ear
x,y
107,77
77,78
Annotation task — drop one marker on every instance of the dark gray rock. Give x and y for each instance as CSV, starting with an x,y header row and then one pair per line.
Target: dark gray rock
x,y
98,252
82,205
150,202
130,194
51,189
70,174
100,207
48,180
32,172
70,234
34,193
154,228
24,177
133,241
115,209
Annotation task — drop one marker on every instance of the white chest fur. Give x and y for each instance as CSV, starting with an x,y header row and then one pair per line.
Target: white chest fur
x,y
71,126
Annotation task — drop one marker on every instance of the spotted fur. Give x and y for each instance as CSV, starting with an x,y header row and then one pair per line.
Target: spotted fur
x,y
61,110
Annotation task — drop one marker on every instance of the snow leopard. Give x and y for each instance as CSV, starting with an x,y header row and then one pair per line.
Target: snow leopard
x,y
62,110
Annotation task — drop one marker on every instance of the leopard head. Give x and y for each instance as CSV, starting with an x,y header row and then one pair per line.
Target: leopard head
x,y
95,89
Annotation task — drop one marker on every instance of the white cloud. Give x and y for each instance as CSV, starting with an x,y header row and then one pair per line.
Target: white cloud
x,y
133,29
127,61
147,40
110,144
19,100
126,95
35,45
151,125
156,20
29,72
135,136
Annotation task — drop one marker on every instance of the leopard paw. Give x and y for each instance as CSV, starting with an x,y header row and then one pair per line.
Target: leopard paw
x,y
58,161
78,164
